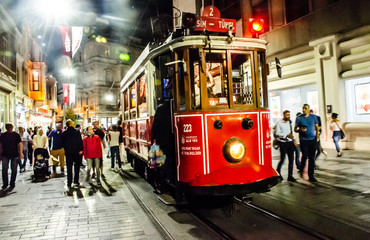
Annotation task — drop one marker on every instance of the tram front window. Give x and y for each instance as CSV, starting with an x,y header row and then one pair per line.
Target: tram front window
x,y
242,79
217,83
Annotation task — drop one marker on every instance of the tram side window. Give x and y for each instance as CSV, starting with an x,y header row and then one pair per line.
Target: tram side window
x,y
126,106
261,77
242,79
195,78
133,101
217,83
181,81
163,75
143,107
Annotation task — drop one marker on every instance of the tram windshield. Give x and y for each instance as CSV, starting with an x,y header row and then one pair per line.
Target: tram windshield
x,y
242,79
226,79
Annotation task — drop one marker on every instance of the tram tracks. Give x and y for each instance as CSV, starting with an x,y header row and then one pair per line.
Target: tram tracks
x,y
244,220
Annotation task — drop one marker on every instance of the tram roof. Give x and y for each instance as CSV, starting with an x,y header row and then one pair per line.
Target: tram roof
x,y
219,42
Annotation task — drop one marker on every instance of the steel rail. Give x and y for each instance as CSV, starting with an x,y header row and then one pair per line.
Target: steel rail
x,y
283,220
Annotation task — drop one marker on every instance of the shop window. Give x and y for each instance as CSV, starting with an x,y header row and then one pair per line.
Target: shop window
x,y
142,101
242,79
217,82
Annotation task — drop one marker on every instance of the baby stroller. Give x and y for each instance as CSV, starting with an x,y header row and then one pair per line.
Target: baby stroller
x,y
41,166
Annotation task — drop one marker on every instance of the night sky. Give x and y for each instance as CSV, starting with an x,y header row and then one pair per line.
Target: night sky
x,y
123,21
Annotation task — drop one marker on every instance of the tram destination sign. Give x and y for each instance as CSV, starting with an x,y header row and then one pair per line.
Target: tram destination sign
x,y
213,24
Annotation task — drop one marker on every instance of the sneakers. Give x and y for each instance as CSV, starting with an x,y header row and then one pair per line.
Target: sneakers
x,y
102,176
339,154
112,169
93,175
292,179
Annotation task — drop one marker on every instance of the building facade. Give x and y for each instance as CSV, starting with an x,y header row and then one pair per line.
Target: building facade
x,y
99,68
323,50
9,60
23,88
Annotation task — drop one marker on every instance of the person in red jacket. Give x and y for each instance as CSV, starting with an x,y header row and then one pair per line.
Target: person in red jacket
x,y
92,152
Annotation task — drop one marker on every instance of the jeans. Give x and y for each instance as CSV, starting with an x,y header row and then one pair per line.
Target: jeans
x,y
89,167
336,138
308,148
297,152
25,156
286,148
14,165
73,160
115,152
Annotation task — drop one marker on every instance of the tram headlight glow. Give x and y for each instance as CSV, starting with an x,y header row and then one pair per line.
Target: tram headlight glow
x,y
234,150
237,150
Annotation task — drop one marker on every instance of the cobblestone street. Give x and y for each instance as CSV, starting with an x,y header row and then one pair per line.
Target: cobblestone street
x,y
41,210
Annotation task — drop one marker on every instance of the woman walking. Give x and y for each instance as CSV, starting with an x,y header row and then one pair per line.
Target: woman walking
x,y
92,152
335,127
40,141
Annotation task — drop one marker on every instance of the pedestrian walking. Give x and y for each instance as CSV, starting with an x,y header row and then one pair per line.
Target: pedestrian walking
x,y
25,137
39,141
101,134
319,148
114,147
73,148
92,153
11,150
56,149
337,136
286,141
307,127
297,149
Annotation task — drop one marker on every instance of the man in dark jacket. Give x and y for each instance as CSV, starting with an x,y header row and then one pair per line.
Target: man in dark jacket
x,y
162,133
11,150
73,147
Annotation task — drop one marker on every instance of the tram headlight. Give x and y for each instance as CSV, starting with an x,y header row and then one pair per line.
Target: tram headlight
x,y
234,150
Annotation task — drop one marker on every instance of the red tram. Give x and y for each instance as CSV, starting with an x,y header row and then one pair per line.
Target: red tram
x,y
217,87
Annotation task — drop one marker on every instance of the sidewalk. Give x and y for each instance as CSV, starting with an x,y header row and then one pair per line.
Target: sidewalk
x,y
41,210
351,171
337,205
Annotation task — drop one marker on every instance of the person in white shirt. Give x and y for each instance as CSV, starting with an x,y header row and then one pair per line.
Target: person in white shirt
x,y
285,137
113,141
335,127
40,141
25,137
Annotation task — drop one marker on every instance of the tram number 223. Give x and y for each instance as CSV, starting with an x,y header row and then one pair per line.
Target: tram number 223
x,y
187,128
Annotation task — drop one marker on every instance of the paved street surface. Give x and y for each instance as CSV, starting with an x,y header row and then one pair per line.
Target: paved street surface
x,y
41,210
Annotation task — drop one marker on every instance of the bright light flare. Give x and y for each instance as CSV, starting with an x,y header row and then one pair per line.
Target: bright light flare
x,y
69,72
54,9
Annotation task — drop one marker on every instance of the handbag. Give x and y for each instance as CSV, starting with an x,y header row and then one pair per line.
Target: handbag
x,y
342,135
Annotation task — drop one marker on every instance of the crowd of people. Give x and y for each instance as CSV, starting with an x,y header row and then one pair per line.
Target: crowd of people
x,y
303,141
66,147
